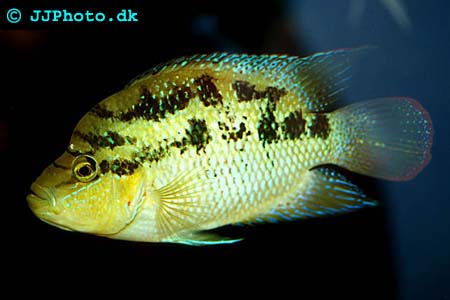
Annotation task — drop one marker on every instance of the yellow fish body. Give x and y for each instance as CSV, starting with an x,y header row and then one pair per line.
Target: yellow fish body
x,y
210,140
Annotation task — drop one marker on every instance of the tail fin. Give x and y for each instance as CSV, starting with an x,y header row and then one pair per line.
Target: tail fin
x,y
388,138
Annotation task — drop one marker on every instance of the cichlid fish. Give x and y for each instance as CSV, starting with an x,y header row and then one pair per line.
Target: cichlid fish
x,y
210,140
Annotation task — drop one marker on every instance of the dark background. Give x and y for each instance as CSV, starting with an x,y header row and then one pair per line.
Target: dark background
x,y
50,77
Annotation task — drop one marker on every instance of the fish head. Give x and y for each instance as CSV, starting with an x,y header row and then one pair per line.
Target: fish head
x,y
77,193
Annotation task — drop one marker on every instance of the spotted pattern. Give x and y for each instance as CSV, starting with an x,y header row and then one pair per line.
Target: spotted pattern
x,y
233,134
207,91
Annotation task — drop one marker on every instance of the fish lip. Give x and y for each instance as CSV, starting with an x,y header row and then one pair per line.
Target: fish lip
x,y
39,192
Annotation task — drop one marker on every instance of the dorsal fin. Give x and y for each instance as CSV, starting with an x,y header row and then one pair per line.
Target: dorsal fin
x,y
319,79
316,79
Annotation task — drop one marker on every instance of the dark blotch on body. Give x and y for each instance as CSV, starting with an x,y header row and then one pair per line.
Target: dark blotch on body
x,y
247,92
151,107
273,94
267,125
154,107
207,91
124,167
244,90
145,108
293,126
197,134
178,100
320,126
104,166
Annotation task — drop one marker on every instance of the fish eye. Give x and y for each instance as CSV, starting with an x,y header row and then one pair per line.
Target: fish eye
x,y
85,168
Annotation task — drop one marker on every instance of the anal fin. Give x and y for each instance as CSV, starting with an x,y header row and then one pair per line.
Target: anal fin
x,y
323,192
201,238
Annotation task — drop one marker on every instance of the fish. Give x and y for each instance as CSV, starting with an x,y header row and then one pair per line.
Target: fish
x,y
210,140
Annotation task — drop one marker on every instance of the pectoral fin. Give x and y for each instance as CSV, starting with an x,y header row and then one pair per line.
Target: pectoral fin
x,y
181,212
180,207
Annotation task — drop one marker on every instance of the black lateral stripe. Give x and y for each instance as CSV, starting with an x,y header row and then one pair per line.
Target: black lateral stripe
x,y
73,152
78,153
123,167
197,135
129,166
102,112
109,139
56,165
119,166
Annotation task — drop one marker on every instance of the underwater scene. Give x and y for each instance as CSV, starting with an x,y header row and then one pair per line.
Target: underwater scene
x,y
292,148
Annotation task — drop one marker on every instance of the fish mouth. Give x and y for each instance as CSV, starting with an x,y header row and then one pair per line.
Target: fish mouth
x,y
40,196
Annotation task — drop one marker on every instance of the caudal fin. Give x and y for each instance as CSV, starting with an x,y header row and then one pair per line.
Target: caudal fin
x,y
388,138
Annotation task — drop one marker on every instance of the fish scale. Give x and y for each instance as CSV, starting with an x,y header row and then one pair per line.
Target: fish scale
x,y
259,170
209,140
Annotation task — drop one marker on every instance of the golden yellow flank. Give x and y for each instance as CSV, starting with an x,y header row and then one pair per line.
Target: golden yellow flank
x,y
209,140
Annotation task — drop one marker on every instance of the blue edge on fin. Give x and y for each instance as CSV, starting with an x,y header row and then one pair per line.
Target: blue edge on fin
x,y
327,193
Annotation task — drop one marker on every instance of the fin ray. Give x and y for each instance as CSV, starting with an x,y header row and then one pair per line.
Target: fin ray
x,y
323,192
179,206
390,138
201,238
